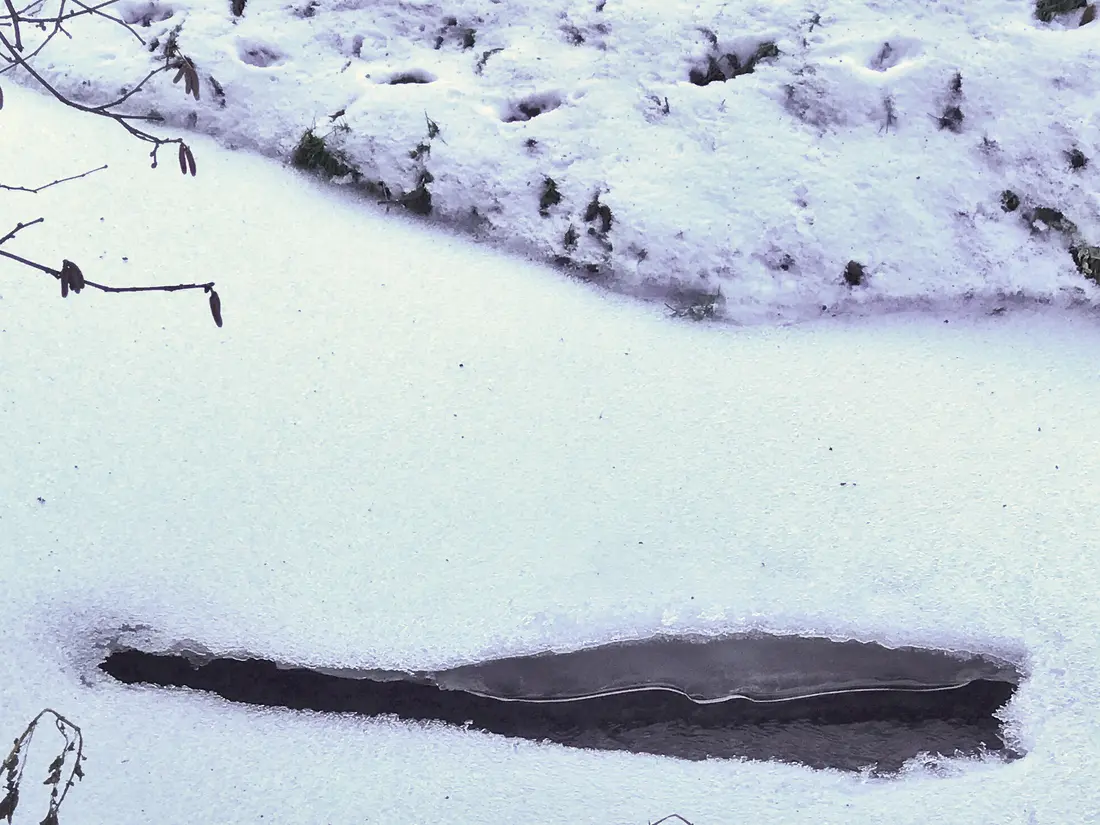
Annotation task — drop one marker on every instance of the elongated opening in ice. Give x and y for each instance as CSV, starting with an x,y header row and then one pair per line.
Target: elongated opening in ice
x,y
846,705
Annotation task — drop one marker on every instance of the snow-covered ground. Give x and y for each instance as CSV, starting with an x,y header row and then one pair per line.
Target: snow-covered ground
x,y
884,134
408,451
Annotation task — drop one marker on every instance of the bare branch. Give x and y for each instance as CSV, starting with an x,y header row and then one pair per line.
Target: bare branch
x,y
133,91
62,16
168,288
70,275
19,226
59,273
184,67
15,24
96,11
51,183
40,267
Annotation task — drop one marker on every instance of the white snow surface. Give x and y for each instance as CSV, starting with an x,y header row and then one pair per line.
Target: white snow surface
x,y
405,451
758,190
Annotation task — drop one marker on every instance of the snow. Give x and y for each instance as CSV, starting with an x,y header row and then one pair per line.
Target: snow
x,y
406,450
759,189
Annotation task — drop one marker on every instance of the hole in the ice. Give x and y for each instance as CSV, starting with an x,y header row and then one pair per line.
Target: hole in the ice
x,y
530,107
844,705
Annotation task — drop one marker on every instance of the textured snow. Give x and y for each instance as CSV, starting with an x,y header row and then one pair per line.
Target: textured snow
x,y
761,188
408,451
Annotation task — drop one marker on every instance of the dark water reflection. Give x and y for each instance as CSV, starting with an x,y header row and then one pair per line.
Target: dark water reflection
x,y
864,706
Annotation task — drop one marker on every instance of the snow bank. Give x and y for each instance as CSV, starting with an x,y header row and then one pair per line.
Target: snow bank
x,y
879,135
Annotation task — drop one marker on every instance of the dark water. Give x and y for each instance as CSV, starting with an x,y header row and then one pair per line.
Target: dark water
x,y
812,702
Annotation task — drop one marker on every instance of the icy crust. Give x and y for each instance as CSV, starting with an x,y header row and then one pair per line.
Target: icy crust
x,y
753,667
761,667
578,132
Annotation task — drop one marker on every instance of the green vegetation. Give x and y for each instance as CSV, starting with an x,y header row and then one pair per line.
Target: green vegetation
x,y
312,155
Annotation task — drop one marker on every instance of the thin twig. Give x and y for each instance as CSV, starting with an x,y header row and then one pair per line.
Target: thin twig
x,y
104,287
14,24
172,288
96,11
18,227
51,183
94,110
120,119
103,108
22,744
70,276
17,60
68,16
40,267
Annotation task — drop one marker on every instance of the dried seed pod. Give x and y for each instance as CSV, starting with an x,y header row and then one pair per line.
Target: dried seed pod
x,y
190,158
183,160
10,802
216,307
74,275
185,71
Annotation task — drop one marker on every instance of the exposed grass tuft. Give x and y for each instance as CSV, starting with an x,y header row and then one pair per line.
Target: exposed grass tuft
x,y
550,196
312,155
